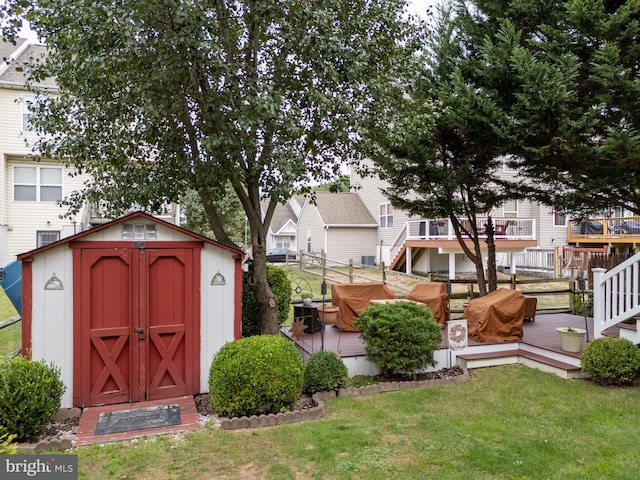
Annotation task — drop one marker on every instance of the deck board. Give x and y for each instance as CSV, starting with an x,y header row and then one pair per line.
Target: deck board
x,y
540,333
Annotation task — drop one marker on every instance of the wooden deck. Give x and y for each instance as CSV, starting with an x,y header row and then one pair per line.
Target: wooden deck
x,y
540,333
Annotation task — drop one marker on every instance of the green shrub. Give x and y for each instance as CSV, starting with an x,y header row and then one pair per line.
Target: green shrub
x,y
280,284
400,337
324,371
30,393
255,375
611,361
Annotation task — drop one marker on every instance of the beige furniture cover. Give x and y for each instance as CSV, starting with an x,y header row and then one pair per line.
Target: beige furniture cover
x,y
433,295
496,317
353,298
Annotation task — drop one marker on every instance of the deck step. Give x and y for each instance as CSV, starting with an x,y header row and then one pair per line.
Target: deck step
x,y
529,359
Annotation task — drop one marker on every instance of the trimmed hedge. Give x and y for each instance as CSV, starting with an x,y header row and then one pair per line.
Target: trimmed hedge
x,y
280,284
30,394
611,361
255,375
324,371
400,337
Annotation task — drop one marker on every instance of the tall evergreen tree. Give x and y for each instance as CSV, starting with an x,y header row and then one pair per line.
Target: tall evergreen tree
x,y
442,151
568,73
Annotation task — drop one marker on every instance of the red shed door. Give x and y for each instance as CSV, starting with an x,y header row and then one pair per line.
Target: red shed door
x,y
138,321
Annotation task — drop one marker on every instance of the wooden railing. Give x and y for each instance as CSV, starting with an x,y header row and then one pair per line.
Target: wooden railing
x,y
604,230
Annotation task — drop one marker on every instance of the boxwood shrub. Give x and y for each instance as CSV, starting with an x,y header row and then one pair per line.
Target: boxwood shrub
x,y
400,337
30,394
255,375
324,371
280,284
611,361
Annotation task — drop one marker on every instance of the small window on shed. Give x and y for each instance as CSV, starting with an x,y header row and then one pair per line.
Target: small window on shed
x,y
139,231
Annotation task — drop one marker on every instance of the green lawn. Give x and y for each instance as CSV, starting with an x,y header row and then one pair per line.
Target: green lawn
x,y
507,422
11,336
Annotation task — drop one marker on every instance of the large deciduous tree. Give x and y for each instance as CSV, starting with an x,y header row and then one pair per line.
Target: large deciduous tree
x,y
159,97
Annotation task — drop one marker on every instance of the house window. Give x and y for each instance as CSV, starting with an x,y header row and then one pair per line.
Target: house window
x,y
45,237
283,242
510,209
37,184
509,164
27,101
559,219
386,215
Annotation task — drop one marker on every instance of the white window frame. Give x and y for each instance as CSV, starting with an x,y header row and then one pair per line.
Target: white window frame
x,y
27,100
506,168
38,183
385,215
41,241
557,216
510,213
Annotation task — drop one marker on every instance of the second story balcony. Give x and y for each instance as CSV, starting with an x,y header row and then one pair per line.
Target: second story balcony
x,y
516,233
604,230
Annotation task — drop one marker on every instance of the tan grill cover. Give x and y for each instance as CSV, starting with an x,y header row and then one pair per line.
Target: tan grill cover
x,y
353,298
433,295
496,317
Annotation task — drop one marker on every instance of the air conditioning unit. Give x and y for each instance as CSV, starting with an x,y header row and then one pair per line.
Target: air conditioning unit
x,y
369,260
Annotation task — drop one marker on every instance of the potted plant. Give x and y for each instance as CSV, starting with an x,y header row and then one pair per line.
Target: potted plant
x,y
307,298
328,314
571,339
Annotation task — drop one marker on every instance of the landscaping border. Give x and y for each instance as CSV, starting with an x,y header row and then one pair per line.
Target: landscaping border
x,y
317,411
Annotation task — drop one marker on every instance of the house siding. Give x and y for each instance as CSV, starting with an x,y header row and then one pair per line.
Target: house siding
x,y
346,243
310,227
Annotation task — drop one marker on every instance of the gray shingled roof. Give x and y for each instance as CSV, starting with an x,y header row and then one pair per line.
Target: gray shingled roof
x,y
343,209
16,73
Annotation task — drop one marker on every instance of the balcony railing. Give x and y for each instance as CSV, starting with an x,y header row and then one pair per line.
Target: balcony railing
x,y
442,229
605,230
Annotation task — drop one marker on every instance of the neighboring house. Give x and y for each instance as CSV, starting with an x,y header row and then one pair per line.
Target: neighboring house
x,y
524,230
339,225
414,244
30,191
282,230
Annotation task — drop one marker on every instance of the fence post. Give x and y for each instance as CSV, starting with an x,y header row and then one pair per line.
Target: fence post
x,y
599,309
350,270
384,273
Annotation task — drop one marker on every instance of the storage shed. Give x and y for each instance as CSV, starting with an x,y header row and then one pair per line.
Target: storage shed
x,y
132,310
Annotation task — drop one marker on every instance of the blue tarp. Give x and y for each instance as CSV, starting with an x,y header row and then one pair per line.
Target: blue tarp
x,y
11,282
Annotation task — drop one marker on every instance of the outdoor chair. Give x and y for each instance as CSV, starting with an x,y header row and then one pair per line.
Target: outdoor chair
x,y
434,296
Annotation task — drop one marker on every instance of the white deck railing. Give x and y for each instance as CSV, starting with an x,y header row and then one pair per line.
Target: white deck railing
x,y
439,229
616,294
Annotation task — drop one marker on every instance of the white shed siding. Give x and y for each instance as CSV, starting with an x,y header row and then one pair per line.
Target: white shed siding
x,y
350,243
217,305
52,313
52,310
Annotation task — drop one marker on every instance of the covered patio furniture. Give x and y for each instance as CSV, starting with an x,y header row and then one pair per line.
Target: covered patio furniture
x,y
433,295
353,298
496,317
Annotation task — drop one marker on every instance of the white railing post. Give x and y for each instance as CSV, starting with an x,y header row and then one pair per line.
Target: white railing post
x,y
598,302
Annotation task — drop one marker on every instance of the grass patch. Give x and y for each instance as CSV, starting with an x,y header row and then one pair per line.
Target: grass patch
x,y
507,422
11,336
